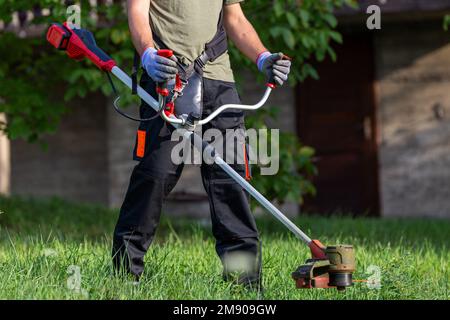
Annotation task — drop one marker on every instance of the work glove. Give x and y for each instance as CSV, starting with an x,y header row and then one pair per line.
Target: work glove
x,y
160,69
274,67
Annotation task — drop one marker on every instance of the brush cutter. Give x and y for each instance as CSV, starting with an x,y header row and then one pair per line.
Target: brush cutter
x,y
330,266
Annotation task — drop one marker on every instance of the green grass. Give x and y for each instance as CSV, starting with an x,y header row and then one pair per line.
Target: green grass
x,y
41,240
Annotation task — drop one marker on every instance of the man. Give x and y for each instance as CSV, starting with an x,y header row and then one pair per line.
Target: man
x,y
185,27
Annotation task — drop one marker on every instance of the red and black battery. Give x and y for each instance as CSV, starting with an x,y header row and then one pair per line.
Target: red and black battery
x,y
79,44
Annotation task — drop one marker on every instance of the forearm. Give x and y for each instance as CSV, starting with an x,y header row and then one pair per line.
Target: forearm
x,y
139,24
241,32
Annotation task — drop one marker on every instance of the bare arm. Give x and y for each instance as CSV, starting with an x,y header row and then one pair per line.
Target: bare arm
x,y
241,32
139,24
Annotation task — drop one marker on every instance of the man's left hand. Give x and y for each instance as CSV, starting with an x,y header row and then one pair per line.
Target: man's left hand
x,y
274,66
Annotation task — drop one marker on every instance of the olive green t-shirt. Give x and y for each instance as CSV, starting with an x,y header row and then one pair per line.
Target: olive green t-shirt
x,y
185,26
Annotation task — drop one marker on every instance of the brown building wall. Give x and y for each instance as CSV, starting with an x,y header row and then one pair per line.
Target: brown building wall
x,y
413,66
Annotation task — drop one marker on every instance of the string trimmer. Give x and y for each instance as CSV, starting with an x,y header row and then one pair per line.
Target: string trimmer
x,y
330,266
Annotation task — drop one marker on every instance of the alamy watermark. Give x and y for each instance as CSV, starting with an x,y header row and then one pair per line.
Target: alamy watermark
x,y
73,13
234,146
374,20
74,280
374,280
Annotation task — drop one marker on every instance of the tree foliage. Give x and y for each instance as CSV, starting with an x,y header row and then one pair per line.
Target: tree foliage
x,y
33,74
302,29
296,168
37,82
446,22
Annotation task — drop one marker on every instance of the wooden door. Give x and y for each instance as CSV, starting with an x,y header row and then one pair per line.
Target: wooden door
x,y
336,115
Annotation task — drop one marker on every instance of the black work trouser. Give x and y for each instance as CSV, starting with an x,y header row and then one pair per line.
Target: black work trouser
x,y
156,175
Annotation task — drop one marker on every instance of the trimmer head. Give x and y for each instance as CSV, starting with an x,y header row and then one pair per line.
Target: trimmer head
x,y
330,267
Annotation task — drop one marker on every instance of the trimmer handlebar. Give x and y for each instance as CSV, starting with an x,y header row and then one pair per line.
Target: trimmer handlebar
x,y
162,90
80,44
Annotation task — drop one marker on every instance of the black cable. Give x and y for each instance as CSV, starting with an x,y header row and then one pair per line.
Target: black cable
x,y
116,107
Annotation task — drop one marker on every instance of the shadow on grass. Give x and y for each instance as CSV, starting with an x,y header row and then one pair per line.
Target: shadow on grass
x,y
43,218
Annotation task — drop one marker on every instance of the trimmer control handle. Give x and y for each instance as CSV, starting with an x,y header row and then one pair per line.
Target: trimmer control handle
x,y
166,53
161,88
271,82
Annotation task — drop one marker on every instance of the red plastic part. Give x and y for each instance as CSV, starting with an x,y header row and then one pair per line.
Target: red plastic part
x,y
170,108
285,57
58,37
75,47
317,249
248,177
166,53
317,282
162,91
178,83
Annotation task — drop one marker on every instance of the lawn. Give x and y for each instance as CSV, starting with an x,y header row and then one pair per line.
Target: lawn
x,y
46,244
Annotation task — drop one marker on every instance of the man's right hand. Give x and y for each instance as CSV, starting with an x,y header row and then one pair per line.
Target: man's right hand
x,y
160,69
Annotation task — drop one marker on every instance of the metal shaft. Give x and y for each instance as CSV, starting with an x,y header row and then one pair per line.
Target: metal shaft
x,y
262,200
198,143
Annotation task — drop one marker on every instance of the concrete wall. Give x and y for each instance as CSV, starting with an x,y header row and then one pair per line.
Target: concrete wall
x,y
120,144
74,165
413,65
